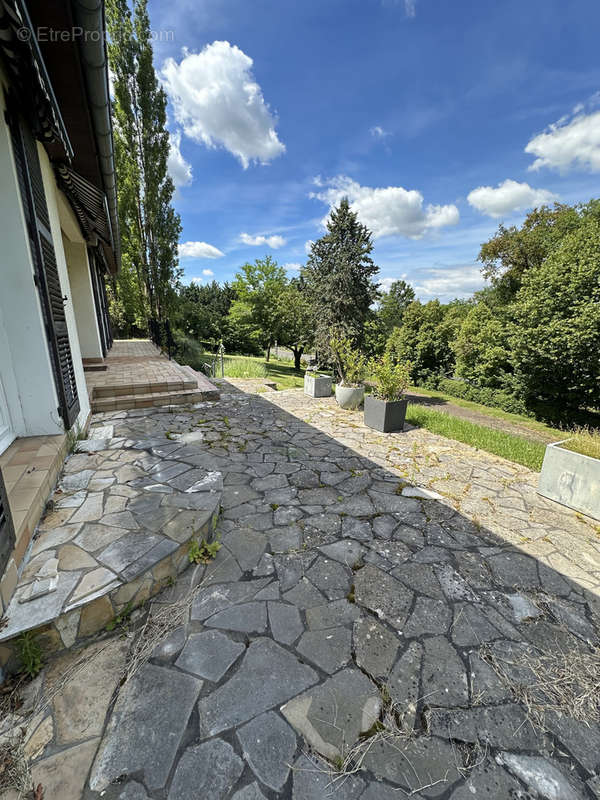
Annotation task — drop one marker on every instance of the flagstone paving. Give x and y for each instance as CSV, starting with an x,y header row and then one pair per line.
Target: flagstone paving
x,y
348,617
381,607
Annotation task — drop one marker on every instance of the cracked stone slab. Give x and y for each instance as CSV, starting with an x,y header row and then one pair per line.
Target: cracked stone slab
x,y
146,727
444,676
404,682
340,612
543,777
429,616
268,676
209,655
208,770
268,744
285,621
332,716
504,726
382,594
375,647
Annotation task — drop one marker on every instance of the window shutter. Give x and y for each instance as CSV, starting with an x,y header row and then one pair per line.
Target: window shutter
x,y
45,268
7,533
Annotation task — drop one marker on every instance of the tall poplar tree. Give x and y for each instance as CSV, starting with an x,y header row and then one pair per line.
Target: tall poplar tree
x,y
150,227
338,278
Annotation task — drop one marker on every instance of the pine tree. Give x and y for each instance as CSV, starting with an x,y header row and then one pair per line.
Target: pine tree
x,y
150,227
338,278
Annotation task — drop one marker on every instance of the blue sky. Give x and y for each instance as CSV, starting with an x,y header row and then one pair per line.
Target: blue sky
x,y
438,119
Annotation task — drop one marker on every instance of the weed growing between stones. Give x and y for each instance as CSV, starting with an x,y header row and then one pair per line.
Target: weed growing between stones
x,y
30,653
202,552
14,766
121,619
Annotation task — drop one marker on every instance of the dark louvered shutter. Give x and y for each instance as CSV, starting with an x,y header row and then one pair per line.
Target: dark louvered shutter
x,y
7,533
45,268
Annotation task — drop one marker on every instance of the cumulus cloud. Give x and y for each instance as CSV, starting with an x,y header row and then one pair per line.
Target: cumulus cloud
x,y
572,142
410,6
508,196
270,241
199,250
308,246
218,103
292,266
385,284
446,284
179,169
208,272
389,210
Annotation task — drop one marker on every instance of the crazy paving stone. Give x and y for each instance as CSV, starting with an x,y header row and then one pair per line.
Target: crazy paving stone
x,y
428,616
209,655
130,548
250,792
314,780
382,594
332,716
268,744
375,647
247,617
328,649
146,727
543,777
268,676
208,770
503,726
414,765
340,612
444,676
285,622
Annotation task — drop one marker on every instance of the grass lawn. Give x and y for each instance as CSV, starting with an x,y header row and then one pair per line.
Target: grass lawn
x,y
507,445
519,419
280,371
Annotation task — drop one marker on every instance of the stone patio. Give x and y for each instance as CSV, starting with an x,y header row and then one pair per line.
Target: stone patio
x,y
380,610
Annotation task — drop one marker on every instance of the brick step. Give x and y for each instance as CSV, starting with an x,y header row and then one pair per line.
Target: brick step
x,y
138,389
127,401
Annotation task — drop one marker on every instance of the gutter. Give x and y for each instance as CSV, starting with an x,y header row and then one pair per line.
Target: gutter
x,y
89,16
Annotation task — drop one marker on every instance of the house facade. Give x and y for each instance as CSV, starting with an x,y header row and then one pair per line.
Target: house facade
x,y
58,245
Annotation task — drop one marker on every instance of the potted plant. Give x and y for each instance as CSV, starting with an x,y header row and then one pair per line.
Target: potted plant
x,y
316,384
571,472
351,367
385,408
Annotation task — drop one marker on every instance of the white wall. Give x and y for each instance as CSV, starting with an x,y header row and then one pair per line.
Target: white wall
x,y
25,366
52,199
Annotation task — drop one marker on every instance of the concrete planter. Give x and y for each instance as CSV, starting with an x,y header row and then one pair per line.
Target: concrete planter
x,y
317,385
571,479
349,397
385,415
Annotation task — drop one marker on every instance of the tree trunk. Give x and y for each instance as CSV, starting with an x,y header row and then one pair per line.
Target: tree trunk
x,y
297,356
268,352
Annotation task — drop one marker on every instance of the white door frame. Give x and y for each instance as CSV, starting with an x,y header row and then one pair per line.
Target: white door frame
x,y
7,434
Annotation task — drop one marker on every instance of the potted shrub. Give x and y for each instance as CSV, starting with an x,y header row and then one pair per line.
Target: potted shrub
x,y
351,367
385,408
316,384
571,472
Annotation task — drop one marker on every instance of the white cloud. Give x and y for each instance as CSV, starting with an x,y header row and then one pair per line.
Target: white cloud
x,y
208,272
387,211
292,267
270,241
179,169
572,142
446,284
199,250
377,132
308,246
508,196
218,103
410,6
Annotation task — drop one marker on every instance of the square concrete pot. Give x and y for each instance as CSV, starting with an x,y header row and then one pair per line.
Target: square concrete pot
x,y
385,415
317,385
571,479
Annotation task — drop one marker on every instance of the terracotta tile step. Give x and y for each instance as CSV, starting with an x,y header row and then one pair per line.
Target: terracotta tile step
x,y
127,401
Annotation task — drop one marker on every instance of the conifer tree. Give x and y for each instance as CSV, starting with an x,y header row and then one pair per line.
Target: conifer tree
x,y
338,278
150,227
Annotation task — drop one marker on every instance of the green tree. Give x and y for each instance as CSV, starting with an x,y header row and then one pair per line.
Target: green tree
x,y
296,324
393,304
338,277
555,329
481,348
426,339
150,227
259,289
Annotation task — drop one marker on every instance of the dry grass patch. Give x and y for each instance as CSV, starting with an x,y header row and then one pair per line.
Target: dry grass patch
x,y
585,441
